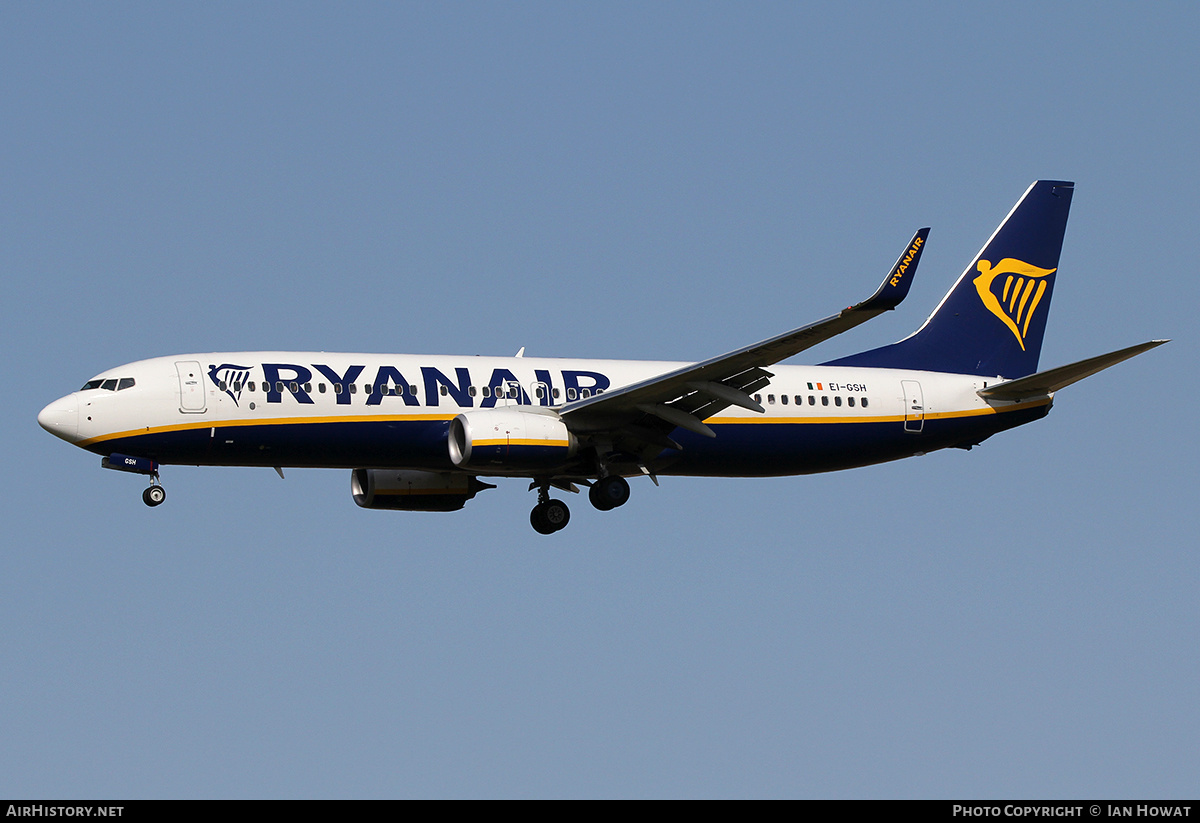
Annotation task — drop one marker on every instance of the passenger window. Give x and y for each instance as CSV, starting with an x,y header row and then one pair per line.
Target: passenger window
x,y
771,399
353,388
308,386
555,393
812,401
279,386
799,400
837,401
294,386
824,400
412,390
470,391
584,394
321,388
486,391
758,399
337,388
570,394
783,399
445,391
126,383
237,386
850,402
864,402
251,386
220,385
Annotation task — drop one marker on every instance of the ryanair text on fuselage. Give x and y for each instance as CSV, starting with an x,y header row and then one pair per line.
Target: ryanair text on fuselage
x,y
295,381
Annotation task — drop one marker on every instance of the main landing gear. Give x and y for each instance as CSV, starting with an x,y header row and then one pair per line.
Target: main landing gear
x,y
609,492
550,515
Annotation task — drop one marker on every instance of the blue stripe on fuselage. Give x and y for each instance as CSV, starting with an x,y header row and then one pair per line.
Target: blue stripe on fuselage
x,y
419,444
752,449
777,449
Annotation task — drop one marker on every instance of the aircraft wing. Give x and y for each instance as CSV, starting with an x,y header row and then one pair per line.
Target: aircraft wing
x,y
1051,380
647,410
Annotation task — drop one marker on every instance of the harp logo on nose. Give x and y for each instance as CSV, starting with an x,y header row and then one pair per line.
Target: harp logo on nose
x,y
1018,297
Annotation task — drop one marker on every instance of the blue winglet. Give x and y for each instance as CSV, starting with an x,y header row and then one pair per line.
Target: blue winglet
x,y
899,280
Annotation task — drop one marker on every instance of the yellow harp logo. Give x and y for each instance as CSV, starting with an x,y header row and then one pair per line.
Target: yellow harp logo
x,y
1018,300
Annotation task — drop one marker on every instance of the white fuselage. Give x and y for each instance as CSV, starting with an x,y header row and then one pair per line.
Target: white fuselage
x,y
340,410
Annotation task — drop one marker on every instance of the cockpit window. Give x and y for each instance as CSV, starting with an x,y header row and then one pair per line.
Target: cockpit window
x,y
111,384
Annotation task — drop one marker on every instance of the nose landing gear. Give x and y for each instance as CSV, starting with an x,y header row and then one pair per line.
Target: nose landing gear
x,y
154,496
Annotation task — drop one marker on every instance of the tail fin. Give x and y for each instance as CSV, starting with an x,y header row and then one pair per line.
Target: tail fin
x,y
992,321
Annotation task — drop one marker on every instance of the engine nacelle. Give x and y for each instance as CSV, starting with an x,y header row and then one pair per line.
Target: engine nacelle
x,y
414,491
510,439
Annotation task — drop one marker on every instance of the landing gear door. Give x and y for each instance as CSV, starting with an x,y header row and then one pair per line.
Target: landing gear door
x,y
914,406
191,387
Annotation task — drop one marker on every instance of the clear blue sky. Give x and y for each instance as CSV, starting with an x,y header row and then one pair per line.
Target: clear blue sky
x,y
666,181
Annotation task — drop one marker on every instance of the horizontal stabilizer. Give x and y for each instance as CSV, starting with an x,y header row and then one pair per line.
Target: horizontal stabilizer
x,y
1045,382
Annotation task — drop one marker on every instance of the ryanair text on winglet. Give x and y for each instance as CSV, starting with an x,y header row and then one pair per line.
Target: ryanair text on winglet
x,y
902,266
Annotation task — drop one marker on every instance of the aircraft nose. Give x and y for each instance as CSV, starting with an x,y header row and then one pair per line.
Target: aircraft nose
x,y
61,418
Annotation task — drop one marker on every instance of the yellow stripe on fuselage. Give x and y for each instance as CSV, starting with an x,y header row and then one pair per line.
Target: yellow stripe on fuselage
x,y
891,418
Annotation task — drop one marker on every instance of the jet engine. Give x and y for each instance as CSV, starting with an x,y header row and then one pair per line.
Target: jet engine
x,y
414,491
510,439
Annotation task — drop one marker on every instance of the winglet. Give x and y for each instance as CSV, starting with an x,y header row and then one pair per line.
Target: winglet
x,y
730,377
896,285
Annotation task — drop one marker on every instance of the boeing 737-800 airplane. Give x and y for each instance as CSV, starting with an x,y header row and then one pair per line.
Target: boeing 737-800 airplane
x,y
418,432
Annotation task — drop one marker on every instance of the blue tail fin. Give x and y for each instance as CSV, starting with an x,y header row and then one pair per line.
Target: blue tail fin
x,y
992,321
